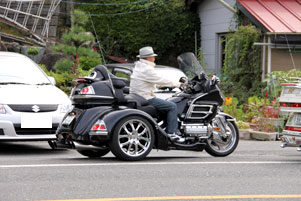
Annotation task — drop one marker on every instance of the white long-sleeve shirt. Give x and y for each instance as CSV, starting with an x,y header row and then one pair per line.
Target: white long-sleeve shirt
x,y
144,79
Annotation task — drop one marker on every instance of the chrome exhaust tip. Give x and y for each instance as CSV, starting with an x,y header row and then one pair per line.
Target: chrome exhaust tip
x,y
283,145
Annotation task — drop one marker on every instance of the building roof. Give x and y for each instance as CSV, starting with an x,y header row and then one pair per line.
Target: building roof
x,y
278,16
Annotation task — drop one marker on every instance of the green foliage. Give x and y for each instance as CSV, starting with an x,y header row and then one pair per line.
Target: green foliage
x,y
64,65
273,88
77,36
32,51
165,25
86,63
241,72
76,43
233,109
284,76
242,125
274,79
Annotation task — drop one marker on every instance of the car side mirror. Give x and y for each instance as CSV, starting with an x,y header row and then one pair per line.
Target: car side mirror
x,y
52,80
183,80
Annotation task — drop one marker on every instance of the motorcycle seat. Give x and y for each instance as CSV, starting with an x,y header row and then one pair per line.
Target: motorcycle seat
x,y
140,103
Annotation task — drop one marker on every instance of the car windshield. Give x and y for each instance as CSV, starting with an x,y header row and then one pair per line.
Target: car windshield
x,y
21,70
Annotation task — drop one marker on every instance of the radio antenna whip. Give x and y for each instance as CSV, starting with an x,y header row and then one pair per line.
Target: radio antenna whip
x,y
100,49
290,51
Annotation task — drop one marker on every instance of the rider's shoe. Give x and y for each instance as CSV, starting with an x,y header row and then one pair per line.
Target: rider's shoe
x,y
176,138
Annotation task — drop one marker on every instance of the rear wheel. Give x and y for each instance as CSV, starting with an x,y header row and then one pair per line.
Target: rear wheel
x,y
133,139
95,153
222,146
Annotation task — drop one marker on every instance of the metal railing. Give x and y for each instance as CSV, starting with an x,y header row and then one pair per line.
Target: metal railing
x,y
29,15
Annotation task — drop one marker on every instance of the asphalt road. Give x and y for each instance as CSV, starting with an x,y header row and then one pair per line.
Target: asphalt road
x,y
257,170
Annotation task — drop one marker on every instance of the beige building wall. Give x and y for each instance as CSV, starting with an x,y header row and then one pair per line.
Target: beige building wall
x,y
281,60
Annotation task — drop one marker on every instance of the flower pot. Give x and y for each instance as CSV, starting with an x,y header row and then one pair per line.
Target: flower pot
x,y
244,134
264,136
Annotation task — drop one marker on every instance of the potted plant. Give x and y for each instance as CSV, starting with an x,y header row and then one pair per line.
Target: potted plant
x,y
267,124
244,130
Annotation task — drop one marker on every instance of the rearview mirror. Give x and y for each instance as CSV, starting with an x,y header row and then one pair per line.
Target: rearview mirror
x,y
183,80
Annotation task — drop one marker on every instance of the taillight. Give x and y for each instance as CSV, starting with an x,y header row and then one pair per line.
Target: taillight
x,y
290,104
99,126
87,90
288,85
291,128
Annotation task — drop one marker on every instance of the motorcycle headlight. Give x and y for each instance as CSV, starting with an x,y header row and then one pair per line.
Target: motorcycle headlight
x,y
65,108
2,109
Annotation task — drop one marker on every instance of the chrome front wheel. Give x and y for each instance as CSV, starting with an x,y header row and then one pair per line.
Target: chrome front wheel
x,y
223,145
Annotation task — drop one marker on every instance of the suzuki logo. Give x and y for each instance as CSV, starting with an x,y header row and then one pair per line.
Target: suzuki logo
x,y
35,108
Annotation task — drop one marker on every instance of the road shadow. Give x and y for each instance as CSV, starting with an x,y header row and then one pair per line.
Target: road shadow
x,y
114,159
28,148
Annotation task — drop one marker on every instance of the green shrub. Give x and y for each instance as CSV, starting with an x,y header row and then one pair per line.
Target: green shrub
x,y
64,65
233,109
242,125
241,74
32,51
86,63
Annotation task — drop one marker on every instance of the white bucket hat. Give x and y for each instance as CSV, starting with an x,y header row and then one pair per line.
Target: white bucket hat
x,y
146,52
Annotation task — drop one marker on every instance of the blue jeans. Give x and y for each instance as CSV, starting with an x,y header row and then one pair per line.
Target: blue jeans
x,y
171,111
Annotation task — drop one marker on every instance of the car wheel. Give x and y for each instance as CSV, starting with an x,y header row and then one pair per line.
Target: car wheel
x,y
95,153
133,139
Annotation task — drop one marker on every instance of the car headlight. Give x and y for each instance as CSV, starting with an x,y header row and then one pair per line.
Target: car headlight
x,y
65,108
2,109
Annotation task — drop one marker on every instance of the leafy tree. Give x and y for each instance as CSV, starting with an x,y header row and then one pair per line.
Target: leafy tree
x,y
124,27
76,46
241,70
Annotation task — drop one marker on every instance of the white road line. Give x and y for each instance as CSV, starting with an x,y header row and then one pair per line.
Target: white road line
x,y
148,163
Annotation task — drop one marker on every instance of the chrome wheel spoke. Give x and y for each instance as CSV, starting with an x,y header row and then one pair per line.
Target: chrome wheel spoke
x,y
133,126
143,132
142,146
129,148
139,125
123,136
126,130
124,144
136,149
144,139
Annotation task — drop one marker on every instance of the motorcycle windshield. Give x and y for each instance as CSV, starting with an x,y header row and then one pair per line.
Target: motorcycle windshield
x,y
189,64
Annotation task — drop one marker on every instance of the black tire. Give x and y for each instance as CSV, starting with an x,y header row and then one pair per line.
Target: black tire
x,y
133,138
94,153
230,143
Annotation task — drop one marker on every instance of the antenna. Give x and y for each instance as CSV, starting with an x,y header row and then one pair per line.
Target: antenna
x,y
100,49
290,51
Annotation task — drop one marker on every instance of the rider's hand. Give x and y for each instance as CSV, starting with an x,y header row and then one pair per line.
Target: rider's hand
x,y
182,86
215,80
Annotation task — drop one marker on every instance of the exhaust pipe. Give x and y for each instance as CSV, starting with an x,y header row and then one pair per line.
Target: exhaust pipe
x,y
55,144
80,146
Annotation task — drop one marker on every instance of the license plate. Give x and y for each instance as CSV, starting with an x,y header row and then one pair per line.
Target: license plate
x,y
68,120
36,121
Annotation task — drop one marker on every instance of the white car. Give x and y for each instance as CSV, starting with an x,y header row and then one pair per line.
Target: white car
x,y
31,107
168,72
